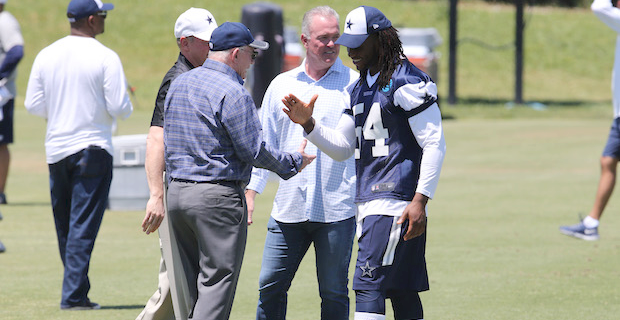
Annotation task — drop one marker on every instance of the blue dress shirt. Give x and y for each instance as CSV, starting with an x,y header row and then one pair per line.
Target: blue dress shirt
x,y
212,131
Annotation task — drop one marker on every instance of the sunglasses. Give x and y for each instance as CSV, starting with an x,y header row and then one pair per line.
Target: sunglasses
x,y
102,14
253,53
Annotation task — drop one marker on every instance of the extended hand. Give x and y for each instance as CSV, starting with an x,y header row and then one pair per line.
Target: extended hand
x,y
299,111
307,159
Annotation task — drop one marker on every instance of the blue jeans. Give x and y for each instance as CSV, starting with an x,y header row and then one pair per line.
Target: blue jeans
x,y
79,186
285,246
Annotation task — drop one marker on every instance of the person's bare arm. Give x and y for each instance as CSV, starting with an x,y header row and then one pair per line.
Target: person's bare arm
x,y
250,195
154,166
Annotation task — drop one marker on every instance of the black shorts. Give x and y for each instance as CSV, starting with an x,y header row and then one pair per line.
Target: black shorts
x,y
6,125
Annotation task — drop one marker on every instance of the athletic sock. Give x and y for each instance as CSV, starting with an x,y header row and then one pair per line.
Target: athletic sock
x,y
590,222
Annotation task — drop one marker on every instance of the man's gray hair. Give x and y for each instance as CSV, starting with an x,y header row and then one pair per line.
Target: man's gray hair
x,y
323,11
223,53
220,55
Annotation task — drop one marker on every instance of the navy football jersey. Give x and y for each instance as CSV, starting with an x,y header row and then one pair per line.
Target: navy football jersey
x,y
387,156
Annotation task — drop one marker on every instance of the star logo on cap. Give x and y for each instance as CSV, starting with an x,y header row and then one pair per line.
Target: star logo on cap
x,y
367,270
210,20
349,24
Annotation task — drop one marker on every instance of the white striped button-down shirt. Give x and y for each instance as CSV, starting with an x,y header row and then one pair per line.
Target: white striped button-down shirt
x,y
325,189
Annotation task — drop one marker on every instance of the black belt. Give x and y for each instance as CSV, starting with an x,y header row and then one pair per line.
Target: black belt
x,y
228,183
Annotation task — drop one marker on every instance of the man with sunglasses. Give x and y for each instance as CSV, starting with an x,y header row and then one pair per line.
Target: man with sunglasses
x,y
78,85
212,140
192,31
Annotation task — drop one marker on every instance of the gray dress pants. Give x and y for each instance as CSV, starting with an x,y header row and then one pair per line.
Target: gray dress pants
x,y
209,221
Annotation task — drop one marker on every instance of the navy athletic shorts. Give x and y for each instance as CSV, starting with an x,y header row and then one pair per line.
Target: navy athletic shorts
x,y
6,125
612,148
386,265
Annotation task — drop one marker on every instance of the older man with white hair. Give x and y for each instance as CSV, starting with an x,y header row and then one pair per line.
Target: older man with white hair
x,y
212,140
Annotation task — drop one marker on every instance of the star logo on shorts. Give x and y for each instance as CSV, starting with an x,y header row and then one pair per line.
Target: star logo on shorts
x,y
367,270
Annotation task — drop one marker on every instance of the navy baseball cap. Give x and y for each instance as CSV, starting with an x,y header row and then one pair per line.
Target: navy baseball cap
x,y
79,9
233,35
360,23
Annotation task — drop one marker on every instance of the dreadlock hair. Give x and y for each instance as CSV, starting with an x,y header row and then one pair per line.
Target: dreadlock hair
x,y
390,54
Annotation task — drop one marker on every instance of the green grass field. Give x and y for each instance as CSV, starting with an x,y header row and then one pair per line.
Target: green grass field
x,y
494,251
510,178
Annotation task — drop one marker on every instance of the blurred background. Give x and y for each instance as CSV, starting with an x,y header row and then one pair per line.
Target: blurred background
x,y
566,61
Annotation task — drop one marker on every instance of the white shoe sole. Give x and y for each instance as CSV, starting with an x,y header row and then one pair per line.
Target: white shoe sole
x,y
580,235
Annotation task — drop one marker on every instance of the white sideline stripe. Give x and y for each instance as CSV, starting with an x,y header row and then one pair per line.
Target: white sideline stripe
x,y
388,257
